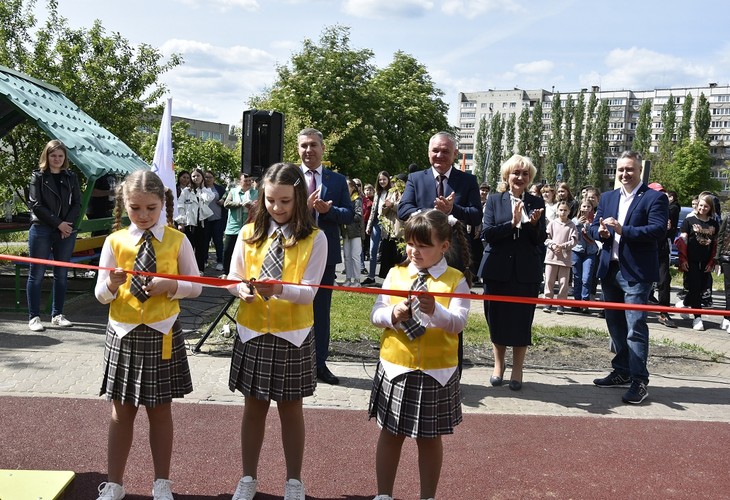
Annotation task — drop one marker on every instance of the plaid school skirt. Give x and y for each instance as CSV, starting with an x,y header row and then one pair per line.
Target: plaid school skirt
x,y
415,404
271,368
134,371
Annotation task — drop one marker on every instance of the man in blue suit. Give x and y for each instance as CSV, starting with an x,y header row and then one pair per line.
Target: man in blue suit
x,y
630,221
333,208
449,190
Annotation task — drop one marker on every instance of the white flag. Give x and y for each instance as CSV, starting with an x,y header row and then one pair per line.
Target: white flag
x,y
162,162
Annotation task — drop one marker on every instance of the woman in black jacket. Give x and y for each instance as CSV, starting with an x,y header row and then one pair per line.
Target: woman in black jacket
x,y
54,198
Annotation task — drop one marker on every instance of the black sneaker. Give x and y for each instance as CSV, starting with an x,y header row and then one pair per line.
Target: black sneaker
x,y
560,310
367,282
614,379
636,393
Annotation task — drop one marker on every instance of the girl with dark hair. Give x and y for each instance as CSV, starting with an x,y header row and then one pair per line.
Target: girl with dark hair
x,y
192,211
373,228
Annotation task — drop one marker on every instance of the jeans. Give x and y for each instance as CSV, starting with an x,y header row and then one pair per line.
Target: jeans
x,y
583,265
375,236
628,329
214,231
42,242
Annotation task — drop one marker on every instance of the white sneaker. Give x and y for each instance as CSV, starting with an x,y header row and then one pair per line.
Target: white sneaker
x,y
698,325
219,267
161,490
35,324
110,491
61,320
725,324
294,490
246,489
383,497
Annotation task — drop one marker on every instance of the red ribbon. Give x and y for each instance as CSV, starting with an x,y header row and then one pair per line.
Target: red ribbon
x,y
218,282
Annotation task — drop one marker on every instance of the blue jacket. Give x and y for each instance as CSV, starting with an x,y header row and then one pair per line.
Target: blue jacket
x,y
334,188
645,225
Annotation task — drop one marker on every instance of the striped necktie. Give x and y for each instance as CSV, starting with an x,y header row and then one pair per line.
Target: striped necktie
x,y
413,327
145,261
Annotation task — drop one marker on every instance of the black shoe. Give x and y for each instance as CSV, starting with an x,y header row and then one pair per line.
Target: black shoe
x,y
636,393
601,313
367,282
585,310
325,375
495,380
560,310
614,379
364,271
575,309
665,320
515,385
653,300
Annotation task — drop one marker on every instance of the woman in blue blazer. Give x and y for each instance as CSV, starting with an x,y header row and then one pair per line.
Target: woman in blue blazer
x,y
513,230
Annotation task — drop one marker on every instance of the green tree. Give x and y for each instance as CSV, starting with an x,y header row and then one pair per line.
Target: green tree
x,y
702,118
690,171
523,131
599,148
565,146
642,138
509,134
111,80
554,154
588,135
577,169
480,154
495,149
685,125
535,135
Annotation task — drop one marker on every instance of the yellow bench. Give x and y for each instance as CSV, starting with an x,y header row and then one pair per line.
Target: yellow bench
x,y
33,484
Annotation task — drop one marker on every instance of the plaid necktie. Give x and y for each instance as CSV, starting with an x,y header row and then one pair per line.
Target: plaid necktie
x,y
413,327
274,259
145,261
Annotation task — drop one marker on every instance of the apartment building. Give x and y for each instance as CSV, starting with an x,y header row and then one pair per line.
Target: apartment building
x,y
624,114
205,130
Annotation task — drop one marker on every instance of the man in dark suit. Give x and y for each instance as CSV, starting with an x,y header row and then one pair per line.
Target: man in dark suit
x,y
333,208
630,222
447,189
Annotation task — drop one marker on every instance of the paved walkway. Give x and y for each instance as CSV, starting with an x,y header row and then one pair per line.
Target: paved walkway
x,y
68,363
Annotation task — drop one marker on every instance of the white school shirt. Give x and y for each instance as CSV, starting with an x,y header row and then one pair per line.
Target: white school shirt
x,y
296,294
451,319
186,265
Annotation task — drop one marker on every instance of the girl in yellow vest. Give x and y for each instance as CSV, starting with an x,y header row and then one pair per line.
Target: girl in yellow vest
x,y
416,386
273,353
144,359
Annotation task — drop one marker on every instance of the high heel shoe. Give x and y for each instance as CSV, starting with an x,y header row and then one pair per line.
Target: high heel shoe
x,y
515,385
495,380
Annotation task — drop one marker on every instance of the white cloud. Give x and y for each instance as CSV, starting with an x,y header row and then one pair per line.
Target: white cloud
x,y
224,5
535,67
638,68
475,8
204,54
384,9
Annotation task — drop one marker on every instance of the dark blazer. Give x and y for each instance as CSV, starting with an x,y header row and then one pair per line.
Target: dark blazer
x,y
512,253
334,188
420,193
645,225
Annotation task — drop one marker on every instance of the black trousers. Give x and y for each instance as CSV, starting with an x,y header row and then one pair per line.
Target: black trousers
x,y
664,285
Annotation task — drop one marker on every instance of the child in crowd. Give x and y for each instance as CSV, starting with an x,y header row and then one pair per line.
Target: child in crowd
x,y
561,238
193,208
584,255
367,206
698,236
352,238
144,363
551,204
273,353
723,259
416,385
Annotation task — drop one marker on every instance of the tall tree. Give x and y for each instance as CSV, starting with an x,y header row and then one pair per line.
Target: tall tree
x,y
554,154
599,148
702,118
523,131
577,169
116,83
690,171
509,134
685,125
565,146
480,154
642,138
535,134
665,151
588,135
495,149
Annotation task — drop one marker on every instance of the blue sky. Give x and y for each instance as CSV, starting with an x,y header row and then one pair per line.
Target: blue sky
x,y
231,47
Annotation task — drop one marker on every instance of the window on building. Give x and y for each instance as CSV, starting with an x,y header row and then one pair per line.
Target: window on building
x,y
615,102
722,98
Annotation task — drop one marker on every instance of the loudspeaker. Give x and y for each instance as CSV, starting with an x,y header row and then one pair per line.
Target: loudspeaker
x,y
263,141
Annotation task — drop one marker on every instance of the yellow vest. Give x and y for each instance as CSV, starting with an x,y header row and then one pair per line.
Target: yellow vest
x,y
276,315
436,348
126,308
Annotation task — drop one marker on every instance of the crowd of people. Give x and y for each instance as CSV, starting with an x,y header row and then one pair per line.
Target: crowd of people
x,y
435,232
